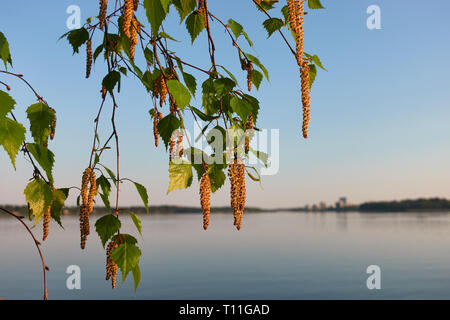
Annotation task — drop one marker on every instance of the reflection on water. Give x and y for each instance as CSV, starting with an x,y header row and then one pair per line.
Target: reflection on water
x,y
274,256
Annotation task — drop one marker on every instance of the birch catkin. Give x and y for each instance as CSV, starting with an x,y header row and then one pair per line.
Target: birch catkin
x,y
53,127
111,267
87,203
156,119
88,58
248,131
135,5
47,216
102,13
296,20
205,197
236,174
249,76
135,29
128,9
306,100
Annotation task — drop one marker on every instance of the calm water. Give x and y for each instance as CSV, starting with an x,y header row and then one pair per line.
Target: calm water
x,y
275,256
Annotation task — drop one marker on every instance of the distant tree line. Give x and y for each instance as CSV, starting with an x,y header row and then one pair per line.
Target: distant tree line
x,y
406,205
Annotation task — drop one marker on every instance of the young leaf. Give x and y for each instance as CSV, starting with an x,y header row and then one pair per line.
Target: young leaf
x,y
136,271
39,197
184,7
110,80
312,74
77,38
111,174
180,175
257,78
235,27
59,198
143,194
12,135
126,256
156,13
5,55
44,157
41,118
217,177
258,63
106,227
6,104
136,221
241,107
272,25
223,86
190,82
194,24
179,92
315,4
167,126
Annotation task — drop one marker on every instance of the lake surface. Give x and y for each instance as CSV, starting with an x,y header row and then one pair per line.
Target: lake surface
x,y
274,256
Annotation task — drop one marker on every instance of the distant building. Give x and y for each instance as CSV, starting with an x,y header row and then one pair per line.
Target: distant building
x,y
323,206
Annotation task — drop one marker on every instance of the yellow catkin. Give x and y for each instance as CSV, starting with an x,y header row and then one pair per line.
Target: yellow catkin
x,y
83,236
205,197
248,131
47,216
102,13
296,19
236,174
53,127
202,10
249,76
128,9
171,148
111,267
156,119
135,5
234,197
87,202
306,100
163,90
135,29
88,58
92,191
242,193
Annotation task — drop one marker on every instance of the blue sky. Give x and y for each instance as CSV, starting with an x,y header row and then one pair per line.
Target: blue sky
x,y
380,114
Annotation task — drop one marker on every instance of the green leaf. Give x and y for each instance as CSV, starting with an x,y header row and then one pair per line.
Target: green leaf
x,y
312,74
5,55
315,4
217,177
110,80
235,27
148,54
111,174
59,198
104,184
230,74
257,78
167,36
184,7
264,157
201,115
194,24
156,13
44,157
258,63
136,221
6,104
12,135
39,197
136,271
316,60
77,38
272,25
124,238
223,86
126,256
41,118
106,227
241,107
209,98
190,82
179,92
167,126
180,175
143,194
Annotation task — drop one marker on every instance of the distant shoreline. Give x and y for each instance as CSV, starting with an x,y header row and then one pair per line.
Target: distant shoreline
x,y
417,205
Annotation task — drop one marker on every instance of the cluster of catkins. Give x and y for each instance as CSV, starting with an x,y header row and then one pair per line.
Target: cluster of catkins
x,y
88,181
236,174
296,20
111,267
131,26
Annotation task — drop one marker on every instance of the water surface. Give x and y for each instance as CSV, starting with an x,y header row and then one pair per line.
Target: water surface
x,y
275,256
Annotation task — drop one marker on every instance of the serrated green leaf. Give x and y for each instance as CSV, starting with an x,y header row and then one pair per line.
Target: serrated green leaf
x,y
142,193
223,86
136,271
235,27
179,92
315,4
59,198
12,135
5,54
316,60
257,78
106,227
312,74
41,118
184,7
194,24
241,107
180,175
201,115
217,177
272,25
137,222
167,126
44,157
77,38
230,74
7,104
156,13
126,256
190,82
39,197
110,80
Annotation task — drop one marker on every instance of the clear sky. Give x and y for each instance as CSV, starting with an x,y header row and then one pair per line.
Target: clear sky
x,y
380,115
